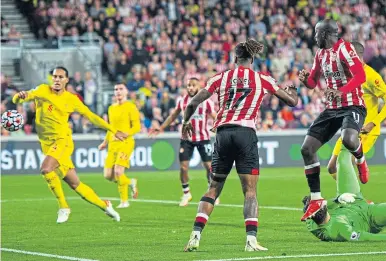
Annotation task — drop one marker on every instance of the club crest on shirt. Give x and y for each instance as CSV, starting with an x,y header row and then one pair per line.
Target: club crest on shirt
x,y
50,108
353,54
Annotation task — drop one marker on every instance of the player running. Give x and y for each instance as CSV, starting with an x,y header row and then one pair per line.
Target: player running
x,y
348,217
374,88
123,115
200,138
240,92
344,74
53,106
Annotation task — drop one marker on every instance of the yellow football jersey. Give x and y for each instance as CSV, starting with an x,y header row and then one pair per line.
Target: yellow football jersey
x,y
374,88
53,111
124,117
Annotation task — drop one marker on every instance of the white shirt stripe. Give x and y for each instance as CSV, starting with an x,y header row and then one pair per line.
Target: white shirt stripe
x,y
256,98
312,165
225,113
238,110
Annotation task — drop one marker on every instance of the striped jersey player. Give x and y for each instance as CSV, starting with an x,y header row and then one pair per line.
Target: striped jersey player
x,y
338,62
200,138
240,92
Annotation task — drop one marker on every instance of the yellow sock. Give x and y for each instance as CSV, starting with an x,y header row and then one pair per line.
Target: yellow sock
x,y
55,186
90,196
123,187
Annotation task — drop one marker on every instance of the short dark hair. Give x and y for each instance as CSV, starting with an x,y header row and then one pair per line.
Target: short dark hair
x,y
320,216
61,68
359,48
194,78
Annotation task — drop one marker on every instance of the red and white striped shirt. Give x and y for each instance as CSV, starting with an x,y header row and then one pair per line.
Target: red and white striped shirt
x,y
199,118
240,92
342,71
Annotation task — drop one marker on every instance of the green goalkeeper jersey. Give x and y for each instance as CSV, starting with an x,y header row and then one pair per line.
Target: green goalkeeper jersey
x,y
349,222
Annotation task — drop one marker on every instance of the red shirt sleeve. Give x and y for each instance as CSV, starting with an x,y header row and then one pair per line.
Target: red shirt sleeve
x,y
314,76
179,104
213,84
348,55
268,83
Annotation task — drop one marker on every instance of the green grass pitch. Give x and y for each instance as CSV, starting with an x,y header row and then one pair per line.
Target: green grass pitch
x,y
159,230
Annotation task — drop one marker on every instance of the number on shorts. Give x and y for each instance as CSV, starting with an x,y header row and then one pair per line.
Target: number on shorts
x,y
356,117
208,149
232,92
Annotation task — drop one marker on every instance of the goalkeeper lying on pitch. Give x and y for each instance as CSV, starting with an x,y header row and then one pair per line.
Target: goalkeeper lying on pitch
x,y
348,217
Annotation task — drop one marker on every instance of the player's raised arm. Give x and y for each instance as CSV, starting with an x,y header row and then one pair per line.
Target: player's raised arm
x,y
289,95
380,92
96,120
310,79
349,56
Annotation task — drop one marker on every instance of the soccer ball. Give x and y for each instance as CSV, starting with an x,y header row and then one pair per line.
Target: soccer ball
x,y
12,120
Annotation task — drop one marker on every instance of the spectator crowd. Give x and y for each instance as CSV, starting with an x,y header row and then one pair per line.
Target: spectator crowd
x,y
154,47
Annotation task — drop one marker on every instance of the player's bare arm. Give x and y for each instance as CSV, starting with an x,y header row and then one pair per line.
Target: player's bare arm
x,y
288,95
172,117
201,96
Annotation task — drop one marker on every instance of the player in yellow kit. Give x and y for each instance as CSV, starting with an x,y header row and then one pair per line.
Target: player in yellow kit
x,y
123,115
53,107
374,89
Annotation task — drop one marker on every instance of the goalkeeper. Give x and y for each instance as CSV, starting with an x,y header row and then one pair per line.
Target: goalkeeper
x,y
348,217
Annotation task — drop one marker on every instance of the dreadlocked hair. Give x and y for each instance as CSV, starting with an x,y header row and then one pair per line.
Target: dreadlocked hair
x,y
248,49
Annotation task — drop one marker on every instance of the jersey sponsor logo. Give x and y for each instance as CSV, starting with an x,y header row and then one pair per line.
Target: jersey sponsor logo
x,y
376,82
355,236
329,73
353,54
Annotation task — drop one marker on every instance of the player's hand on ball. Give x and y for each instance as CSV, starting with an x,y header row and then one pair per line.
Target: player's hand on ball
x,y
102,146
23,95
187,130
368,128
303,75
154,132
346,198
121,135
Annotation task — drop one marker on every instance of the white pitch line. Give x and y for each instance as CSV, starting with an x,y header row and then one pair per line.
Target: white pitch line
x,y
45,255
296,256
171,202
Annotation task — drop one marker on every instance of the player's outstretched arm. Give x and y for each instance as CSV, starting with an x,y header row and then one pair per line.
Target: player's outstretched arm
x,y
172,117
289,95
96,120
379,89
25,96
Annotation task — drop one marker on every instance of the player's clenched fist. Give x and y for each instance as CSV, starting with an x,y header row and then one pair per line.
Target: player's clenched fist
x,y
22,95
303,75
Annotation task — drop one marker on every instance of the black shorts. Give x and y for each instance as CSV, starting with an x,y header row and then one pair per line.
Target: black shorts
x,y
204,148
235,144
331,120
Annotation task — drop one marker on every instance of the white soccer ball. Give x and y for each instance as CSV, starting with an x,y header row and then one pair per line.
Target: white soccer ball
x,y
12,120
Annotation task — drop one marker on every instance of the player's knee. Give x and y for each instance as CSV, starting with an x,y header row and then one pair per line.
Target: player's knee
x,y
306,151
45,170
351,142
184,168
73,184
250,194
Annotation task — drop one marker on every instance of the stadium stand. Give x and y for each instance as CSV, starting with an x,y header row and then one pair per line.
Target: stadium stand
x,y
155,46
